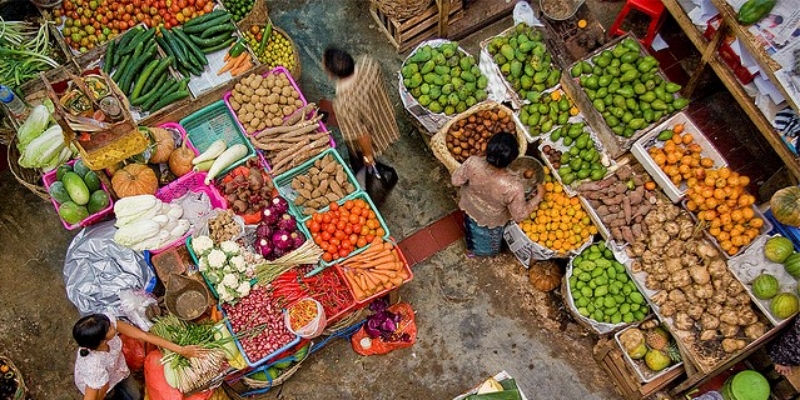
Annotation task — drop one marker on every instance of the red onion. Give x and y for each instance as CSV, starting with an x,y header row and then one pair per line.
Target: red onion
x,y
255,310
282,240
280,205
287,223
264,231
264,247
270,216
297,239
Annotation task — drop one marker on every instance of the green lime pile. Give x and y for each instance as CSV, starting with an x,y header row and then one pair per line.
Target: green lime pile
x,y
238,8
524,61
443,79
602,290
581,160
627,89
546,112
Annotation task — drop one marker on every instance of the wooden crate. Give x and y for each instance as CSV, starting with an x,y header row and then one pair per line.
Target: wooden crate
x,y
404,35
610,358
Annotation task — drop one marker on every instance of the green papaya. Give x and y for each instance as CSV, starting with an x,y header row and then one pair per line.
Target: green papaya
x,y
421,56
507,51
427,67
753,11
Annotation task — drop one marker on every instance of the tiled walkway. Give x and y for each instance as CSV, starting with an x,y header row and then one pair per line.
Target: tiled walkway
x,y
429,240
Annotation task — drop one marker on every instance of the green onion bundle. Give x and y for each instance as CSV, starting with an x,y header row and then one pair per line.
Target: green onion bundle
x,y
24,51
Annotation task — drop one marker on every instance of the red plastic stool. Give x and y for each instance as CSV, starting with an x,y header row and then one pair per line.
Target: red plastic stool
x,y
652,8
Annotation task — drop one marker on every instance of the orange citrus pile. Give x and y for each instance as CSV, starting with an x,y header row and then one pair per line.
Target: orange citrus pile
x,y
558,222
717,196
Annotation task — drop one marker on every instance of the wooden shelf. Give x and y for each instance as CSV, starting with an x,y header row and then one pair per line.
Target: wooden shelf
x,y
711,58
767,64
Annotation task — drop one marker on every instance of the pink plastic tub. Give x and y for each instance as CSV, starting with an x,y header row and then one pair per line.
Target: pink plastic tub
x,y
191,182
50,177
176,126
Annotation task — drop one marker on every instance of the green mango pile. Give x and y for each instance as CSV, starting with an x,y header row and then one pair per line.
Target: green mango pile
x,y
602,290
627,89
524,61
546,111
443,79
581,160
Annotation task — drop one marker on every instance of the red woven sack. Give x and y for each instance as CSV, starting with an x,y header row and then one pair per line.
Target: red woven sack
x,y
378,345
157,386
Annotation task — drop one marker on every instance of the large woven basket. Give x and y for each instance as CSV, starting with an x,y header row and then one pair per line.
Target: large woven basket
x,y
401,9
22,391
244,26
257,384
346,321
30,178
439,144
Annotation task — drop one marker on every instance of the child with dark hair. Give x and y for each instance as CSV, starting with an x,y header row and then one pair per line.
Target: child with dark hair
x,y
100,369
492,195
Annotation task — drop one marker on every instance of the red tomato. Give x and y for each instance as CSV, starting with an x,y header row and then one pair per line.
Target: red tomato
x,y
325,235
361,242
335,242
341,225
380,232
353,218
318,240
343,253
333,206
353,239
208,7
200,3
346,246
364,231
356,210
370,238
348,204
317,217
331,229
314,228
131,23
326,218
348,229
372,214
327,257
174,8
360,203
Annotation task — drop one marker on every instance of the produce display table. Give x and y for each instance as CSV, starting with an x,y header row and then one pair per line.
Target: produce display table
x,y
711,58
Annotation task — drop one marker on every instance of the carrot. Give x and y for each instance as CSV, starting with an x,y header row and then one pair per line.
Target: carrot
x,y
384,273
402,273
388,263
397,281
232,63
241,68
385,259
227,56
357,292
379,277
372,281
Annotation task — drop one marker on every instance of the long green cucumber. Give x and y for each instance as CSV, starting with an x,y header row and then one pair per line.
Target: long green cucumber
x,y
210,41
164,46
121,68
208,24
108,59
223,45
207,17
217,30
172,41
160,70
166,88
192,48
134,69
143,77
151,92
128,36
123,82
131,46
171,98
187,47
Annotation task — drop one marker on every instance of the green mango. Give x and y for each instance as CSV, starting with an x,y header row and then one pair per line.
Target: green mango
x,y
468,76
415,81
516,68
427,67
519,55
422,55
500,59
540,77
529,70
597,174
442,70
680,103
507,51
482,82
439,59
575,71
480,95
505,69
553,78
526,82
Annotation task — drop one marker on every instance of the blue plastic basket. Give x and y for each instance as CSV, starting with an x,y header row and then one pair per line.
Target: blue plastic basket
x,y
283,182
789,232
212,123
247,360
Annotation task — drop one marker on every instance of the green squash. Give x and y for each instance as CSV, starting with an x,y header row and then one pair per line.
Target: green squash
x,y
784,305
765,286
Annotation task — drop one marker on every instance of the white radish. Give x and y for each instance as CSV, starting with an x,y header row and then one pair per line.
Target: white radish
x,y
226,159
203,166
212,152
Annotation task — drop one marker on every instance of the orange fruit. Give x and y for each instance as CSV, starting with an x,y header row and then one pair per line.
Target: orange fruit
x,y
678,128
706,162
687,138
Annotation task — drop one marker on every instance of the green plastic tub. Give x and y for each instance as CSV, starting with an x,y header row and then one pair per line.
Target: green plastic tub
x,y
214,122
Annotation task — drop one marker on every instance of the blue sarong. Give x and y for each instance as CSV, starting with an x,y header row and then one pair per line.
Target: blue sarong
x,y
481,240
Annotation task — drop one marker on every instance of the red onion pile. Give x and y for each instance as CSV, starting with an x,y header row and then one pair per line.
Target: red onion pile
x,y
253,312
277,234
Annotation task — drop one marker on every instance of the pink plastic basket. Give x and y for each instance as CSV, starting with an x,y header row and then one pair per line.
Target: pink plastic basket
x,y
50,177
177,127
191,182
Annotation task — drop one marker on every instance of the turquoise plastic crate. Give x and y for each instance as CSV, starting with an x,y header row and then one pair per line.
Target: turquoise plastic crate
x,y
197,264
364,196
214,122
284,182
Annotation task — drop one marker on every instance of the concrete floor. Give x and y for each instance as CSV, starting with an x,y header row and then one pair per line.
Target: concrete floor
x,y
475,317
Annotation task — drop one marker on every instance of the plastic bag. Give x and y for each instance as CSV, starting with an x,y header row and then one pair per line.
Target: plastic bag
x,y
134,352
378,180
156,385
523,13
314,328
202,227
366,346
97,269
133,305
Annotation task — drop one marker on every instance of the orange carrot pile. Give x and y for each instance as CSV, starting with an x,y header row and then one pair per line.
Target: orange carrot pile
x,y
236,65
377,269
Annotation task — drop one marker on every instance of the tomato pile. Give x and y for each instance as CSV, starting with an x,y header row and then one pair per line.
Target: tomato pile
x,y
89,23
345,228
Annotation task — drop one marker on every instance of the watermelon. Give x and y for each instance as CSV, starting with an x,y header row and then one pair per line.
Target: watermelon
x,y
778,249
72,213
765,286
792,265
59,192
80,168
784,305
98,201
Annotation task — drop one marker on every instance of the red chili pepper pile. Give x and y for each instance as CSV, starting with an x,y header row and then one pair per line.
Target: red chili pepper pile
x,y
302,313
325,287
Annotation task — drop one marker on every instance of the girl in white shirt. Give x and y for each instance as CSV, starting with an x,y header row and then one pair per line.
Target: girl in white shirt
x,y
100,369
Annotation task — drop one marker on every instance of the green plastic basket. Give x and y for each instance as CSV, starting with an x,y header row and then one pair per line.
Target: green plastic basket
x,y
284,182
196,262
364,196
212,123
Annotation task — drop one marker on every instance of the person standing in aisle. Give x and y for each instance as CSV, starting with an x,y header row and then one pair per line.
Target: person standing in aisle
x,y
364,113
492,195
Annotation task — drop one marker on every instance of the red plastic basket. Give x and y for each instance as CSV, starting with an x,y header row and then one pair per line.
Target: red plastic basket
x,y
382,292
191,182
50,177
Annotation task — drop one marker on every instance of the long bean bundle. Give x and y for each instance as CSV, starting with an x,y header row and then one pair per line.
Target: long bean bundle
x,y
308,253
25,51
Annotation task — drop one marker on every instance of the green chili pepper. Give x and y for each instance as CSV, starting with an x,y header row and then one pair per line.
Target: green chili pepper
x,y
237,49
264,39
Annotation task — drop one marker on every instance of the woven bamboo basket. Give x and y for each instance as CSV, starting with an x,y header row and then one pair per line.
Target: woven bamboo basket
x,y
22,391
259,16
439,144
30,178
574,314
346,322
257,384
401,9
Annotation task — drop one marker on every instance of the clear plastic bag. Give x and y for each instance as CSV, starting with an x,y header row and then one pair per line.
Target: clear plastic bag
x,y
202,227
314,328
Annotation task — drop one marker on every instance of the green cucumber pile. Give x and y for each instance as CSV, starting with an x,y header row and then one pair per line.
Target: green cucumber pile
x,y
140,73
203,35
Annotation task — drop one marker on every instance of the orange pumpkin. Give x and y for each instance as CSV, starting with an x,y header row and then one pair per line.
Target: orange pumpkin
x,y
133,180
164,145
545,276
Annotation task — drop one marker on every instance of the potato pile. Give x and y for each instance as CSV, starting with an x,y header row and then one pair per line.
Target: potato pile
x,y
469,135
621,201
706,306
323,183
262,103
